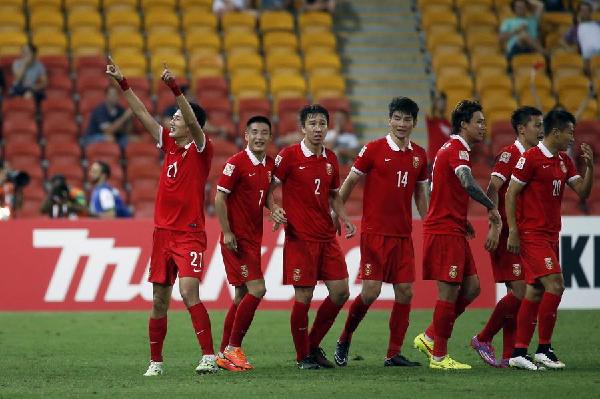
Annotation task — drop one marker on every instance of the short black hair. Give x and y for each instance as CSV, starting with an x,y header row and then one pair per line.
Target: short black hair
x,y
104,168
513,2
557,119
199,113
313,109
522,115
258,119
463,112
404,105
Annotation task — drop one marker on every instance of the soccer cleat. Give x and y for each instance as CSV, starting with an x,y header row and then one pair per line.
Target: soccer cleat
x,y
503,364
319,355
524,363
399,361
485,350
238,358
447,363
549,360
308,363
423,344
154,369
227,365
341,353
207,365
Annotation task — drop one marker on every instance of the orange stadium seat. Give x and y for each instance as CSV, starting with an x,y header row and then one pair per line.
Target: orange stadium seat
x,y
206,65
202,43
254,106
523,83
238,21
488,62
454,81
46,20
315,21
482,42
175,62
106,151
157,42
131,63
545,100
563,83
501,85
271,20
57,128
280,42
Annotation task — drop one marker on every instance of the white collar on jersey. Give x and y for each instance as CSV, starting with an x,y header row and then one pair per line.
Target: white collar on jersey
x,y
545,150
459,138
519,146
395,146
307,152
253,158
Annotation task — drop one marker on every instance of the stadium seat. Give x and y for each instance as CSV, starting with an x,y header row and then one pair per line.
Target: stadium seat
x,y
60,105
77,5
149,4
18,105
119,4
218,108
286,63
523,83
322,64
438,21
195,5
326,86
131,63
240,42
143,170
84,20
564,83
46,20
20,148
161,22
271,20
280,42
55,64
175,62
238,21
107,151
321,42
12,22
198,22
335,104
454,81
216,86
522,63
91,80
87,43
288,123
290,106
11,43
487,84
50,42
157,42
288,85
208,40
248,85
19,126
445,43
479,21
62,149
458,63
255,106
122,22
57,127
566,64
245,63
72,172
140,149
315,21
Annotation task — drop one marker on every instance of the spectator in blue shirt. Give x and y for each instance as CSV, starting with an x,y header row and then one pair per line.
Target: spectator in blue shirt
x,y
109,121
520,32
105,201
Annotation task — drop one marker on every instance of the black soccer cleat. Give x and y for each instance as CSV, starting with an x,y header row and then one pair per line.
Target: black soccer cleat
x,y
399,361
319,355
308,363
341,353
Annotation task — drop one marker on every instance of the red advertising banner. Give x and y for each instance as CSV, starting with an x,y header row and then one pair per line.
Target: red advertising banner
x,y
61,265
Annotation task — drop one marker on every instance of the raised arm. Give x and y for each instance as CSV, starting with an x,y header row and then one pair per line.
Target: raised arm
x,y
137,107
583,187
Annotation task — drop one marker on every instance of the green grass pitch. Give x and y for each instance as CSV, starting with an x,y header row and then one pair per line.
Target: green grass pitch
x,y
103,355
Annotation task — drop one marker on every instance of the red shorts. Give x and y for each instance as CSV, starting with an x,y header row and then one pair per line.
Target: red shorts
x,y
447,258
243,265
540,258
176,252
306,262
387,258
506,266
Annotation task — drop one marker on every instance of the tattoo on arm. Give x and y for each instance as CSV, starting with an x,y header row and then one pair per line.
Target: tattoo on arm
x,y
472,187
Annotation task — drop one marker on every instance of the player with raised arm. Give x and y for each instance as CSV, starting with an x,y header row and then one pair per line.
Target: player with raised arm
x,y
447,257
241,196
395,169
527,123
179,239
309,175
533,201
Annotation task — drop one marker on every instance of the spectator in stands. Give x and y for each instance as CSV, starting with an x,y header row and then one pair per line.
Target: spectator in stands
x,y
277,5
438,126
105,201
554,6
63,201
222,6
7,190
319,5
585,33
520,32
109,121
30,78
343,142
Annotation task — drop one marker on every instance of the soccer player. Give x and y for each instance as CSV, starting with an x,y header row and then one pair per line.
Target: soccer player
x,y
241,196
310,180
179,239
533,201
528,126
447,257
395,169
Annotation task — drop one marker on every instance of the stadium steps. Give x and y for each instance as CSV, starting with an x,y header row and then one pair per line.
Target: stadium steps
x,y
381,54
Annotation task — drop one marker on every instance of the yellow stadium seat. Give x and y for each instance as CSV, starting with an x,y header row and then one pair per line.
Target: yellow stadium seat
x,y
248,85
570,83
318,41
166,23
206,65
422,4
270,21
458,61
480,5
44,20
326,86
198,21
37,4
454,82
523,83
238,21
545,101
12,22
133,42
81,5
315,21
438,21
167,43
123,21
448,43
495,61
11,42
287,86
479,21
148,4
207,40
87,43
498,103
176,64
455,95
50,43
551,20
119,4
131,63
572,101
186,5
240,42
477,38
242,63
522,63
595,65
278,63
566,64
14,3
283,42
496,87
82,20
322,64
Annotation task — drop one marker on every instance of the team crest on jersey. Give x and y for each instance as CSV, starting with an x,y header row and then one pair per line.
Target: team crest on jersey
x,y
520,163
548,262
368,269
563,167
464,155
453,271
416,162
296,275
516,269
362,151
505,157
228,170
329,169
278,159
244,271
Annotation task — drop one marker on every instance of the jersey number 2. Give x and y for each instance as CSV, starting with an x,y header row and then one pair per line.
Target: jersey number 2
x,y
555,188
195,257
318,184
172,170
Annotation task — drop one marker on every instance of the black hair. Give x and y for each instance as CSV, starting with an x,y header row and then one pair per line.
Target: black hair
x,y
259,119
513,2
104,168
522,115
199,113
557,119
33,48
312,109
404,105
464,113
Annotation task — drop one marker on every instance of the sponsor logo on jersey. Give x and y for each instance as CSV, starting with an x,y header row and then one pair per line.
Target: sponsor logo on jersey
x,y
367,269
228,170
464,155
244,271
416,162
520,163
453,271
296,275
516,269
505,157
548,262
329,169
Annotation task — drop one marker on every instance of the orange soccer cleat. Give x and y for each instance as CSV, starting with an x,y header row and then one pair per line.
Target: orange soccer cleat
x,y
227,365
238,358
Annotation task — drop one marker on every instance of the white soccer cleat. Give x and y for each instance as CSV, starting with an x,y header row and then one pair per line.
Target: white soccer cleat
x,y
208,364
549,360
154,369
523,363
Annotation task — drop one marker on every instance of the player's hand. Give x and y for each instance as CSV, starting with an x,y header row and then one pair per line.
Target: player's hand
x,y
350,228
587,155
167,75
470,231
336,223
230,241
113,71
278,217
513,244
493,236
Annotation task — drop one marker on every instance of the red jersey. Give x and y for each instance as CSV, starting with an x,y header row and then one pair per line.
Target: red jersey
x,y
449,200
438,132
505,163
391,177
246,180
538,206
306,182
180,197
